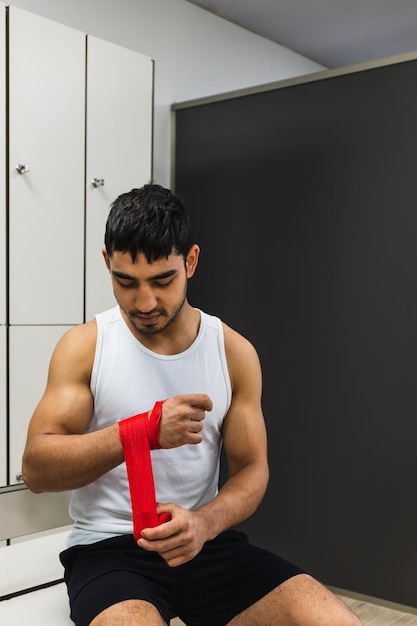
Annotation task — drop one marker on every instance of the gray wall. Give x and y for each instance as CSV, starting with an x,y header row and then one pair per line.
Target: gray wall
x,y
304,203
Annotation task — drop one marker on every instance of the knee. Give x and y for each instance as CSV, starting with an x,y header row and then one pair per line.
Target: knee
x,y
354,620
344,617
319,606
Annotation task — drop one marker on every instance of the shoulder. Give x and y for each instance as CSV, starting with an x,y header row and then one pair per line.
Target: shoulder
x,y
236,344
76,348
241,354
81,336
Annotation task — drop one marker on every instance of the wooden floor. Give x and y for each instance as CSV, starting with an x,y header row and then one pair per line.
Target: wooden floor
x,y
376,615
371,614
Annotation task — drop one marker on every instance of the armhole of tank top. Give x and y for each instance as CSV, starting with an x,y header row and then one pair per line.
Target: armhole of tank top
x,y
97,355
225,367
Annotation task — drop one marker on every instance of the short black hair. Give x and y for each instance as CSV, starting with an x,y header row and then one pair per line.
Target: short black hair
x,y
152,220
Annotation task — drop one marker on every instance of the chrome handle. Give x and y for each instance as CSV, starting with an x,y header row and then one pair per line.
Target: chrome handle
x,y
97,182
19,476
22,169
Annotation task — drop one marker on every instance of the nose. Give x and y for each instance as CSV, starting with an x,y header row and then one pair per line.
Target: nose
x,y
145,300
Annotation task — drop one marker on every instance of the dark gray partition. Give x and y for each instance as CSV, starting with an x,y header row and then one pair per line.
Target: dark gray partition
x,y
304,201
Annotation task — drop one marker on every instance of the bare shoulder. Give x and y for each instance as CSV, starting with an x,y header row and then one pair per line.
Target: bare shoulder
x,y
242,356
76,349
79,338
236,344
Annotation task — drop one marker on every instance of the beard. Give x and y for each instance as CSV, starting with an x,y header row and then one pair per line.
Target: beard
x,y
166,318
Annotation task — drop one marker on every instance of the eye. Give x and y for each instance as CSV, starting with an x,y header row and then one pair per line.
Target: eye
x,y
163,284
129,285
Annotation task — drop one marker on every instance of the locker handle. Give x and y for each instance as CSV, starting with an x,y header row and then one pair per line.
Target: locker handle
x,y
98,182
22,169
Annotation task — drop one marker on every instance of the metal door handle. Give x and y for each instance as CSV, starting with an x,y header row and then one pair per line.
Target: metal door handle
x,y
22,169
98,182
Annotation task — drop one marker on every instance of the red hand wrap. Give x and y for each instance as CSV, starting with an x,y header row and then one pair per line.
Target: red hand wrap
x,y
139,435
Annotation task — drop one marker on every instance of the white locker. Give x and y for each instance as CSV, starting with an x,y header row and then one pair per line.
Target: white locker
x,y
61,137
119,148
3,317
3,406
46,131
31,349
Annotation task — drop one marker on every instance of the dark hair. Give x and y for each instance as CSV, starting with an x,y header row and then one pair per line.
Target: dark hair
x,y
152,220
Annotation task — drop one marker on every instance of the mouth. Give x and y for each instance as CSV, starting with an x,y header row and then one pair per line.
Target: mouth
x,y
148,320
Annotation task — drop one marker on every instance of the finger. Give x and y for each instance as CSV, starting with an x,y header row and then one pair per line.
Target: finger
x,y
194,438
197,418
207,404
199,401
158,533
195,426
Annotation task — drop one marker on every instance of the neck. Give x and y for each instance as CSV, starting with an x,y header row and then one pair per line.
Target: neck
x,y
177,337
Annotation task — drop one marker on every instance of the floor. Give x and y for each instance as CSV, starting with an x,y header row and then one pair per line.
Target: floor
x,y
370,614
376,615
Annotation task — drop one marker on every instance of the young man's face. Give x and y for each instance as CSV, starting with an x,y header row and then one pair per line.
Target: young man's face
x,y
151,295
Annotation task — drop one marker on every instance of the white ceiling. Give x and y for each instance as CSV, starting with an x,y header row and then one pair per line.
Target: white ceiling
x,y
334,33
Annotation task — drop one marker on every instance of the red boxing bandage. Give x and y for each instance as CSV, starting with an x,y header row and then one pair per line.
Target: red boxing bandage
x,y
139,435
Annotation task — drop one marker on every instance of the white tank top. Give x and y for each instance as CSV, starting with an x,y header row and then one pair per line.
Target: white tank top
x,y
127,379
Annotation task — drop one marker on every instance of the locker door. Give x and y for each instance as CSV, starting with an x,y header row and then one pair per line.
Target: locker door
x,y
3,406
46,108
31,348
2,164
119,148
3,318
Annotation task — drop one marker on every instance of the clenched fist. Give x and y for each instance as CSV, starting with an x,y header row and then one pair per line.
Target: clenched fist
x,y
182,419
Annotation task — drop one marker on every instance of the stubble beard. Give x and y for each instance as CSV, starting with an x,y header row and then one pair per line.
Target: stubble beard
x,y
154,329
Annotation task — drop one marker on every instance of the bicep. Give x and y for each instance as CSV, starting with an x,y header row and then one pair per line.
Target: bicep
x,y
66,409
66,405
244,431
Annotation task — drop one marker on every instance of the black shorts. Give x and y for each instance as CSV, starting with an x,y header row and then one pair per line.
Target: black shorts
x,y
226,577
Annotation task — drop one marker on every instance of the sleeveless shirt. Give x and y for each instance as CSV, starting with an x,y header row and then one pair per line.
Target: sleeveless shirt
x,y
127,379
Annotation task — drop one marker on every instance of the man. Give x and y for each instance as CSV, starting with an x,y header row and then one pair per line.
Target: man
x,y
155,372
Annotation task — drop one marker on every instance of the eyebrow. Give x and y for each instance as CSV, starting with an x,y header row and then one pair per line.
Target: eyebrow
x,y
160,276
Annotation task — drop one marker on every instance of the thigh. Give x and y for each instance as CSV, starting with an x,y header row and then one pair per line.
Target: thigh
x,y
112,571
299,601
130,612
227,577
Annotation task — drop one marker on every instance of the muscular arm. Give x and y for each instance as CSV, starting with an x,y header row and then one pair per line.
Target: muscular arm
x,y
59,455
244,440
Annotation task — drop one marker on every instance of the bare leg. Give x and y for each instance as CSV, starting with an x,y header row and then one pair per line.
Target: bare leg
x,y
299,601
130,613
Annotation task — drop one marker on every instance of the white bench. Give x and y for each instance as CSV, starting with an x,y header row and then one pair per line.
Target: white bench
x,y
31,587
33,530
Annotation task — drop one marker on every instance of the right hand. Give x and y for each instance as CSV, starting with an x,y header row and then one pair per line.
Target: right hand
x,y
181,419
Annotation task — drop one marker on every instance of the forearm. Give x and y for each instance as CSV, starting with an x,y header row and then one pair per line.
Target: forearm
x,y
59,462
237,500
55,462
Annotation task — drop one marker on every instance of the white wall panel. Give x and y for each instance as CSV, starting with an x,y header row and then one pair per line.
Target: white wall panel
x,y
119,148
31,348
3,405
2,165
47,101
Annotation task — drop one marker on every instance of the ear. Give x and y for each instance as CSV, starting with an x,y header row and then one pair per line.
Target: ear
x,y
106,258
192,260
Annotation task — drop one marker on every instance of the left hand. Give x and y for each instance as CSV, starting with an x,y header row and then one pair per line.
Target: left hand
x,y
178,540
